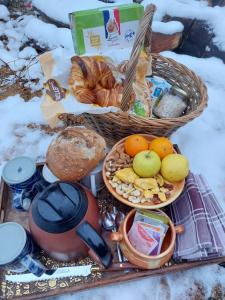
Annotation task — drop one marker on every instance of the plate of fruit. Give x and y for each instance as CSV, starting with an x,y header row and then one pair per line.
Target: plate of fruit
x,y
145,171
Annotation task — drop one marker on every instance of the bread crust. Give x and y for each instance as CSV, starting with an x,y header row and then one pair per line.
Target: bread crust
x,y
75,153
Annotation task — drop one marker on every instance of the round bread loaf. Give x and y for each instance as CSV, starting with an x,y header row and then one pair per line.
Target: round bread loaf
x,y
75,153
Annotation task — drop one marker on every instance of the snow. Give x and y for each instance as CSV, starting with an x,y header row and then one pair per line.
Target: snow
x,y
173,286
15,138
59,9
167,27
63,8
201,140
213,16
207,131
13,55
48,34
4,13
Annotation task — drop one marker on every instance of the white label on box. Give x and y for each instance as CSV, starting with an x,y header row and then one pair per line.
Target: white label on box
x,y
95,39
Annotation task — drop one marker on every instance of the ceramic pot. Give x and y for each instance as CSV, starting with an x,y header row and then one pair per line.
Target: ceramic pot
x,y
24,181
137,258
17,250
64,221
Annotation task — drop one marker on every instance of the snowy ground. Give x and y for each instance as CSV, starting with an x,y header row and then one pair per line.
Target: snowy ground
x,y
202,140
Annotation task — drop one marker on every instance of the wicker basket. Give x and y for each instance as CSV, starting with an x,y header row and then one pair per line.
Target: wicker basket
x,y
115,126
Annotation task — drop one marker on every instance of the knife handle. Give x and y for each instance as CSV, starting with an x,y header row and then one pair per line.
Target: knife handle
x,y
114,267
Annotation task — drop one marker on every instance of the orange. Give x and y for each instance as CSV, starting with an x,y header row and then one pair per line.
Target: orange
x,y
162,146
134,144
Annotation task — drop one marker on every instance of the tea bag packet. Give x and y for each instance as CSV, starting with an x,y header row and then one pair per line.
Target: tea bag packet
x,y
154,227
158,236
152,224
141,240
153,219
156,215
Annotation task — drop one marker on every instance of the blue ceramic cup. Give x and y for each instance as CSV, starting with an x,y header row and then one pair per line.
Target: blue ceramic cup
x,y
17,250
24,180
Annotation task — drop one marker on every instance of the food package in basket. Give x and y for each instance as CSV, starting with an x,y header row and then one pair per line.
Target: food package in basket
x,y
91,84
111,27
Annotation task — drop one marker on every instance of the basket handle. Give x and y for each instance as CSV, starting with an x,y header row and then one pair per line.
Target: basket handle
x,y
143,35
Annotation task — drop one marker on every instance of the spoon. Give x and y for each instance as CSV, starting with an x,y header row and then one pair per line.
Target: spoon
x,y
113,212
119,219
108,223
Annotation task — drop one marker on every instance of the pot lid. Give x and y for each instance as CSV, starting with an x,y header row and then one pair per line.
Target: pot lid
x,y
60,207
13,240
18,170
178,91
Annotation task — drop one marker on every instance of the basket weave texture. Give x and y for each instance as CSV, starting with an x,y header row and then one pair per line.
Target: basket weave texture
x,y
115,126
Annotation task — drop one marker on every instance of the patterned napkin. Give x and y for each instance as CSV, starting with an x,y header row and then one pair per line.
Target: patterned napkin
x,y
204,221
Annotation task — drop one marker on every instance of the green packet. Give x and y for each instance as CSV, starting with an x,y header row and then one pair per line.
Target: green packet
x,y
156,216
139,109
98,30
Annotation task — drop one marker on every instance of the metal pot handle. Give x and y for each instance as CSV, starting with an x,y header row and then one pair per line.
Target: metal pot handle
x,y
95,242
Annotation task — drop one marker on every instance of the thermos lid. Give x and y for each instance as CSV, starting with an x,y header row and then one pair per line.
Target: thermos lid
x,y
18,170
60,207
12,240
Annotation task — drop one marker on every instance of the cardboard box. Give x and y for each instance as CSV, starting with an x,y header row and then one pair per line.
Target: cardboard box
x,y
98,30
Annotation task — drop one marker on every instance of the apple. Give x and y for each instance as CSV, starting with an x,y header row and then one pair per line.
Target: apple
x,y
146,163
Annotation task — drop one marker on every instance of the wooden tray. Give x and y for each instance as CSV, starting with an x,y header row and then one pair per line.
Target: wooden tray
x,y
37,290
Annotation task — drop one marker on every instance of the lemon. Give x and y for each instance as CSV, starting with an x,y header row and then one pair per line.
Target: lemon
x,y
175,167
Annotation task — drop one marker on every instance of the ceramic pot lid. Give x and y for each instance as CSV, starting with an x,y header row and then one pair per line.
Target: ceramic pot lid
x,y
12,241
18,170
60,207
48,175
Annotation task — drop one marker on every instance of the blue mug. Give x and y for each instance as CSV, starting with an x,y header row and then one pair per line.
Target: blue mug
x,y
18,249
24,180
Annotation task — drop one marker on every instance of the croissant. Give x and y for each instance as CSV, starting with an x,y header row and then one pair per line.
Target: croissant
x,y
92,81
81,74
84,95
88,71
109,97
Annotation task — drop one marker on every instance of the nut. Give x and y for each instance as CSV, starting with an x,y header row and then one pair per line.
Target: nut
x,y
132,199
108,174
118,190
136,193
113,184
125,187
